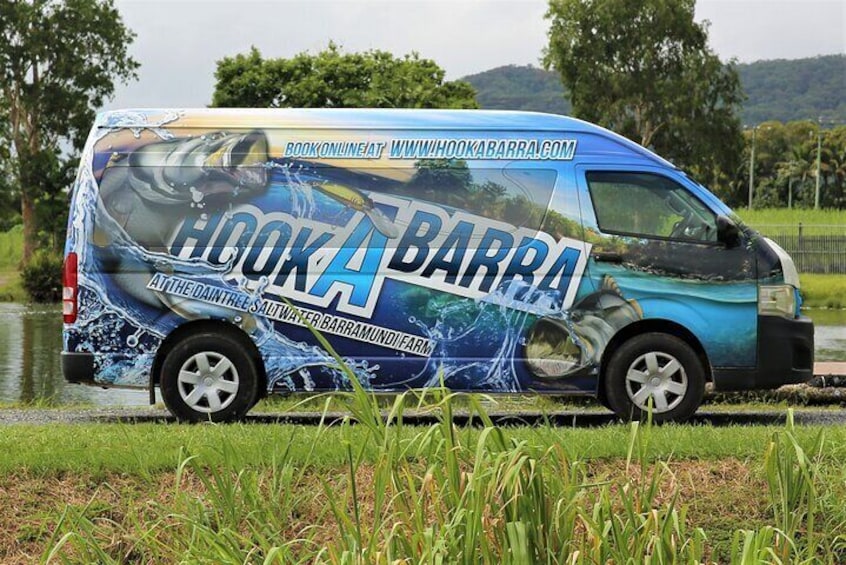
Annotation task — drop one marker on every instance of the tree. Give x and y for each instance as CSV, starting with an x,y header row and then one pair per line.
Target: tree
x,y
9,197
644,70
451,177
786,159
58,61
51,206
333,79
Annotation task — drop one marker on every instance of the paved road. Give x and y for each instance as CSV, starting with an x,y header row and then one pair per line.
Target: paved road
x,y
830,368
580,419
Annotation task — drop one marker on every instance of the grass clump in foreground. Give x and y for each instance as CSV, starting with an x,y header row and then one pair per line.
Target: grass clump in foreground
x,y
440,495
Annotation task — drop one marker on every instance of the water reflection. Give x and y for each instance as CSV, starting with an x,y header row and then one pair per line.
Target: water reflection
x,y
31,339
30,367
829,334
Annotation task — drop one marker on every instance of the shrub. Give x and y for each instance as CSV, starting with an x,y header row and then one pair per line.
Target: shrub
x,y
42,277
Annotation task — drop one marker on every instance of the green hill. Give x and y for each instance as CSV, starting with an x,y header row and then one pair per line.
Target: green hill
x,y
520,88
797,89
782,90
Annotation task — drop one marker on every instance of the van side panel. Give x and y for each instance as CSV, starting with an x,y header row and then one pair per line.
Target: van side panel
x,y
427,249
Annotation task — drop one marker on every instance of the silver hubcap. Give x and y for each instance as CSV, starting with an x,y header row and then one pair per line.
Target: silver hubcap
x,y
208,382
657,376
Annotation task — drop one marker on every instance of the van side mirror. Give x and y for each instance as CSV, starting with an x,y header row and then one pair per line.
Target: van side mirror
x,y
727,232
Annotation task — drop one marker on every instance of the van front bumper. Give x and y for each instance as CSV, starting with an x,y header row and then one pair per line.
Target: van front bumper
x,y
78,367
785,356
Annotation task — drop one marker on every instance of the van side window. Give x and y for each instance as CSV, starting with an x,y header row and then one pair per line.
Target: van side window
x,y
514,195
648,205
518,196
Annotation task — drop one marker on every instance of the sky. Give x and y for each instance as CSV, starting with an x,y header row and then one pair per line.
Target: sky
x,y
179,41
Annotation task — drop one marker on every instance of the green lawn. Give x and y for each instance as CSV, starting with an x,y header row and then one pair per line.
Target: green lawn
x,y
792,217
141,448
11,289
11,248
823,291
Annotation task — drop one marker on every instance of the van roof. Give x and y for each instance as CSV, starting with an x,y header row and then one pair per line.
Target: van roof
x,y
363,118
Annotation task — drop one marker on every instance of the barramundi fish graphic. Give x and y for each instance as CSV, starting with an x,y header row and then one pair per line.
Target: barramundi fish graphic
x,y
148,191
564,346
145,195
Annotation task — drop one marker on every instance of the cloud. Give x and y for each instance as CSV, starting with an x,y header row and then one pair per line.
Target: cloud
x,y
752,30
178,42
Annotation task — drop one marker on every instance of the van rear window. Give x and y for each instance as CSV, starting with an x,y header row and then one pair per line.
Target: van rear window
x,y
149,205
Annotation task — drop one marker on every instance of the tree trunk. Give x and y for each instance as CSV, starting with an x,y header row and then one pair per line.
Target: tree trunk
x,y
30,229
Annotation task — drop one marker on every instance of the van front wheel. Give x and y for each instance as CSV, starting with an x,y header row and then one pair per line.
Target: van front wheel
x,y
208,377
656,372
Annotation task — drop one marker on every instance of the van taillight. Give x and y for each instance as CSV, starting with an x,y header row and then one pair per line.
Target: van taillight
x,y
69,289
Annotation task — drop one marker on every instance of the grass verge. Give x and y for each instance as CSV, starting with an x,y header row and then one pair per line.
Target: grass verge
x,y
11,288
101,449
823,291
792,217
11,249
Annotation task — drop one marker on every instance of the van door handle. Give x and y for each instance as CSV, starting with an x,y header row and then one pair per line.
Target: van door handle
x,y
609,257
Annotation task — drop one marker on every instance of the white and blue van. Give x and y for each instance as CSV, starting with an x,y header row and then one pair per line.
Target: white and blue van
x,y
501,252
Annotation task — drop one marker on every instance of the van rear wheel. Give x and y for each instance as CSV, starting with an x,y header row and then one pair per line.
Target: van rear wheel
x,y
656,372
208,377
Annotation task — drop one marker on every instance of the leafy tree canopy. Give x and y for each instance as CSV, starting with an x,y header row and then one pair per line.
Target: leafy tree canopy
x,y
334,79
58,62
785,165
644,69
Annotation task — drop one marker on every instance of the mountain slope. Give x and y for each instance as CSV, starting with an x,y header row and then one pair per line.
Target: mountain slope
x,y
782,90
796,89
520,88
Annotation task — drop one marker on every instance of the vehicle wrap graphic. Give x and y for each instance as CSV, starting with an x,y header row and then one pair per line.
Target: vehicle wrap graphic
x,y
423,255
435,250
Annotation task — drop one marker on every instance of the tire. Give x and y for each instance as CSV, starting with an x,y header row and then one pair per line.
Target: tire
x,y
659,367
603,400
209,377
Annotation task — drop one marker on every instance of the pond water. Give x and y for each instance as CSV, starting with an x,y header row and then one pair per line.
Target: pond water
x,y
30,367
31,339
829,334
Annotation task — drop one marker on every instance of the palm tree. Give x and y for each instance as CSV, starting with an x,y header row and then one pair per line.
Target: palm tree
x,y
803,169
785,173
838,177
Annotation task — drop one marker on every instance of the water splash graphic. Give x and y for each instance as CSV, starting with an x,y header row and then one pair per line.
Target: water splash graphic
x,y
108,320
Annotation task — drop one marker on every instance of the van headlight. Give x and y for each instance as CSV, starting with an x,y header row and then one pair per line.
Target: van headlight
x,y
777,300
